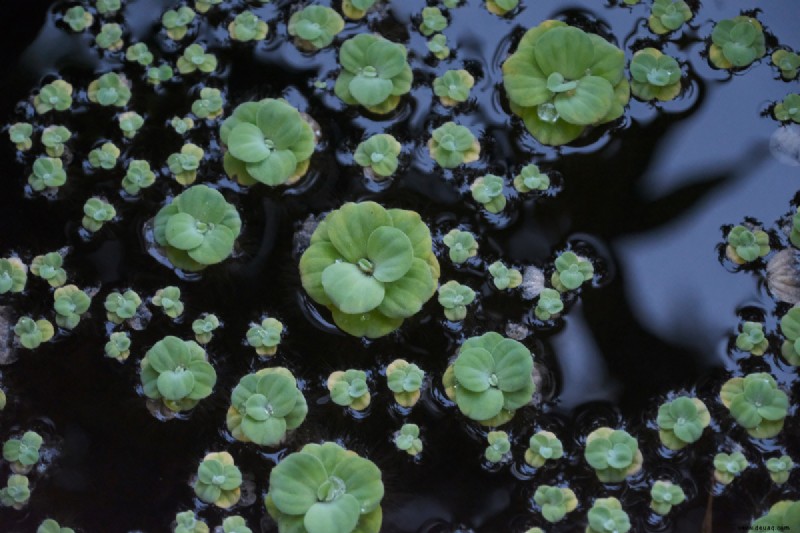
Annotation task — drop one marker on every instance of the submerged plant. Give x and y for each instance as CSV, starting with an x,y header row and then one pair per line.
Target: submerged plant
x,y
138,177
122,306
49,268
668,15
48,173
23,453
20,134
130,123
736,42
681,422
782,516
499,447
490,379
70,303
530,178
314,27
268,142
454,298
266,336
665,494
53,139
757,404
184,164
655,76
728,466
555,502
118,346
488,191
790,327
110,89
787,62
370,266
501,7
349,389
543,446
437,45
177,373
96,212
451,145
745,246
788,109
562,80
407,439
104,156
187,522
433,21
169,300
752,338
356,9
209,105
51,526
110,37
139,53
32,333
504,278
779,469
461,245
379,154
246,26
218,480
13,275
375,73
405,381
16,493
198,228
613,453
324,488
78,19
176,22
56,95
195,58
264,406
571,272
204,327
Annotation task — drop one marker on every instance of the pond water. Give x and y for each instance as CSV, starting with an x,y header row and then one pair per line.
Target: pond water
x,y
648,198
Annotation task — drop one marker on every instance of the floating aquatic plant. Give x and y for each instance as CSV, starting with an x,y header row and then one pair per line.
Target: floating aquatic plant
x,y
407,439
745,245
461,245
555,502
571,272
453,86
752,338
379,154
405,380
32,333
77,18
169,300
613,453
139,53
118,346
454,298
654,75
235,524
349,389
668,15
195,58
55,96
209,105
788,109
159,74
138,176
543,446
20,134
204,328
176,22
69,303
433,21
757,404
110,37
202,6
266,336
437,45
53,139
530,178
501,7
452,145
681,422
782,516
499,447
779,469
16,493
728,466
504,278
108,7
314,27
184,164
104,156
665,494
356,9
51,526
130,123
187,522
790,327
49,268
736,42
23,453
122,306
48,173
606,516
218,480
177,373
788,63
487,190
246,26
96,212
13,275
181,125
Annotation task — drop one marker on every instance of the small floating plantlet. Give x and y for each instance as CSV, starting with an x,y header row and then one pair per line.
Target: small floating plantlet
x,y
788,63
437,45
20,134
405,380
530,178
246,26
349,389
70,303
159,74
779,469
16,493
181,125
654,75
664,495
407,439
499,447
54,138
461,245
264,406
108,7
790,327
736,42
727,467
379,155
187,522
209,105
118,346
130,123
184,164
204,327
203,6
138,177
48,173
195,58
789,109
613,453
555,502
752,338
169,300
504,278
78,19
51,526
23,453
110,37
265,337
139,53
756,403
122,306
571,272
454,298
314,27
453,87
606,516
49,268
668,15
543,446
501,7
104,157
176,22
218,480
13,275
235,524
488,191
96,212
110,89
357,9
55,96
746,245
433,21
681,422
452,145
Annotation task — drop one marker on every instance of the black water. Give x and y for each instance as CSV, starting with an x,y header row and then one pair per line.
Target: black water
x,y
646,198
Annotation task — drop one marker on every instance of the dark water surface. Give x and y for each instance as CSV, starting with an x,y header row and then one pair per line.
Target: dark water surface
x,y
646,198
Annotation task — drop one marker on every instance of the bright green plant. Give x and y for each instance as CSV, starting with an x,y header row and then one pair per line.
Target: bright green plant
x,y
314,27
405,381
375,73
504,278
501,7
20,134
433,21
736,42
490,379
453,86
138,177
779,469
218,480
266,336
209,105
181,125
488,191
107,7
23,453
202,6
668,15
118,346
110,89
752,338
195,58
757,404
451,145
16,493
437,45
204,327
32,333
370,266
571,272
461,245
53,139
122,306
177,373
235,524
787,62
48,267
543,446
682,421
794,234
13,275
139,53
78,19
407,439
104,156
110,37
129,123
349,389
728,466
606,516
159,74
176,22
562,80
48,173
356,9
788,109
70,303
96,212
499,447
663,495
454,298
450,4
184,164
198,228
267,142
51,526
324,488
56,95
783,516
745,246
264,406
246,26
555,502
169,300
3,400
613,453
654,76
531,179
790,327
187,522
379,155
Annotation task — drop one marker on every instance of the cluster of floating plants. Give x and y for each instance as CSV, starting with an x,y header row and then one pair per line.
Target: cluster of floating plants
x,y
281,257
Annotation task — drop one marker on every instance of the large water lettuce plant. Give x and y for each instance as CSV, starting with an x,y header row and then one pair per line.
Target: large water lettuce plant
x,y
372,267
177,373
736,42
757,404
561,80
